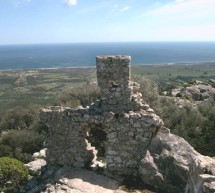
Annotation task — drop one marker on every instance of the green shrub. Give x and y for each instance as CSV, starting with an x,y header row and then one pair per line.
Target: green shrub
x,y
206,143
149,90
83,95
21,144
13,173
186,122
21,133
20,118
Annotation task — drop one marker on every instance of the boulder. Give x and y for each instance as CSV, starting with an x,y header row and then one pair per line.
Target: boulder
x,y
171,164
36,165
40,154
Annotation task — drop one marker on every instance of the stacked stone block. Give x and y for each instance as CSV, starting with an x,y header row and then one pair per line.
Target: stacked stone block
x,y
128,137
136,142
113,74
127,121
66,143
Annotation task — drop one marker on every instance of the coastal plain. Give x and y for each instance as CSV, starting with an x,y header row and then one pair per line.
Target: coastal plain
x,y
42,86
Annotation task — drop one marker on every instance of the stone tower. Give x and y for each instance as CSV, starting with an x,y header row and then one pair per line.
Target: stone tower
x,y
134,139
114,80
113,74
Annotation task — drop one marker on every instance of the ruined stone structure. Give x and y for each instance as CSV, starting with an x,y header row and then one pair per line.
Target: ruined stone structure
x,y
128,123
136,142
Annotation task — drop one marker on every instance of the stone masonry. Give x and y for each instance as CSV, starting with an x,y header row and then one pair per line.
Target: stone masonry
x,y
136,143
121,113
113,79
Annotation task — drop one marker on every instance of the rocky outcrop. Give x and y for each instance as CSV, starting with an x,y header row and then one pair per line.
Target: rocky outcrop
x,y
212,82
171,159
71,180
194,94
36,165
135,140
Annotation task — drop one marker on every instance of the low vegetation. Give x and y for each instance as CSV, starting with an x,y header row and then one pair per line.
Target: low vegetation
x,y
196,125
82,95
22,133
23,93
13,173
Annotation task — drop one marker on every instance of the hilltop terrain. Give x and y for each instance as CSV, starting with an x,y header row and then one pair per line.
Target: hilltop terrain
x,y
20,90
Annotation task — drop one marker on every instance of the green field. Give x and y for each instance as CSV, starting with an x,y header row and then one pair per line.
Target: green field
x,y
24,88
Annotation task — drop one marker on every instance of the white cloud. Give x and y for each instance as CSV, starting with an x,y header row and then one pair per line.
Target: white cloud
x,y
179,1
126,8
185,33
71,2
120,8
189,7
181,20
22,1
103,5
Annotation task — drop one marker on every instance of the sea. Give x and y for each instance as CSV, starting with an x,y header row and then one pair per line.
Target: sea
x,y
42,56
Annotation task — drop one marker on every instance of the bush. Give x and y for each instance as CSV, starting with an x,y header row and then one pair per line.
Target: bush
x,y
206,144
21,144
196,125
13,173
22,133
19,118
83,95
149,90
186,122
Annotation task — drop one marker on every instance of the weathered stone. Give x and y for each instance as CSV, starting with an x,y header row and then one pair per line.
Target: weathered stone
x,y
36,165
212,82
194,94
73,180
136,141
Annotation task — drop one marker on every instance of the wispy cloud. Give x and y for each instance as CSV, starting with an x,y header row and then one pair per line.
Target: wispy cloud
x,y
179,1
120,8
116,6
180,20
125,8
18,3
71,2
21,1
184,33
189,7
94,8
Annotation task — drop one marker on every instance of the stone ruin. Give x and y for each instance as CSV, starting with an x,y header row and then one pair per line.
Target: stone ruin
x,y
135,140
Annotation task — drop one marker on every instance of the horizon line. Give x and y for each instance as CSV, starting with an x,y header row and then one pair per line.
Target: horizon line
x,y
103,42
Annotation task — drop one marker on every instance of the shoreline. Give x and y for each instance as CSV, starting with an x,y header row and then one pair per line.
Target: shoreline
x,y
93,67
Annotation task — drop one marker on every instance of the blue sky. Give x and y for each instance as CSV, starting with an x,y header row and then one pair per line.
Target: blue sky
x,y
66,21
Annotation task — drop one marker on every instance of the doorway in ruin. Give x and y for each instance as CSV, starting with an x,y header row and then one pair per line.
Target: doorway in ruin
x,y
97,137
